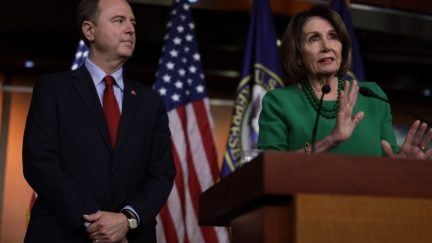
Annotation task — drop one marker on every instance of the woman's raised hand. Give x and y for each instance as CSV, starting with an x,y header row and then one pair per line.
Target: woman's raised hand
x,y
415,144
346,122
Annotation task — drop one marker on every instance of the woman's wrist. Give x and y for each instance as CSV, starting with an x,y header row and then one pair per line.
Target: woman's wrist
x,y
324,145
336,139
328,143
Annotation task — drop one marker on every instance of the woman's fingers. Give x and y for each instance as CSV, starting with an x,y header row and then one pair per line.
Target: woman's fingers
x,y
417,141
353,94
358,117
427,138
387,148
418,136
348,98
411,132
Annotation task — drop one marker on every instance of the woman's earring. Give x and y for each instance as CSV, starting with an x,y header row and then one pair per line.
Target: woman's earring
x,y
299,62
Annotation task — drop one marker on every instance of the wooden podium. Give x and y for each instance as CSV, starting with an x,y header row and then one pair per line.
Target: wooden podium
x,y
298,198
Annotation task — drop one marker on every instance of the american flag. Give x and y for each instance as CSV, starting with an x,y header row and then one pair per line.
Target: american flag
x,y
180,81
81,54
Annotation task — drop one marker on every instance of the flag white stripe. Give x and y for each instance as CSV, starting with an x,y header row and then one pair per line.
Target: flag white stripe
x,y
222,234
209,116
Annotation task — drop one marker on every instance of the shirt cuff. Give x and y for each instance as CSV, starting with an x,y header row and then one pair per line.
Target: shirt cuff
x,y
130,209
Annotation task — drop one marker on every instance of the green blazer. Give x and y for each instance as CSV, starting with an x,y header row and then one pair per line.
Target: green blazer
x,y
287,118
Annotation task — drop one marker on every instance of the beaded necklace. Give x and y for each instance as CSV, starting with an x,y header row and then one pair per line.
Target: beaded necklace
x,y
326,110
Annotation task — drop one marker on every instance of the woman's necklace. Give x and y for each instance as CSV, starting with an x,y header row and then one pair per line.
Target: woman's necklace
x,y
326,110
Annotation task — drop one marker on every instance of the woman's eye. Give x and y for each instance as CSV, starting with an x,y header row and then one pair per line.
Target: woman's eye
x,y
333,36
314,38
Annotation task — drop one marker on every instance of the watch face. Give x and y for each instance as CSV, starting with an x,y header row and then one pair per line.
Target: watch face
x,y
133,223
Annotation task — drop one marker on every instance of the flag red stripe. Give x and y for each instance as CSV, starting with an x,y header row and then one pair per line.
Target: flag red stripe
x,y
194,186
179,184
179,179
193,182
187,223
168,224
207,138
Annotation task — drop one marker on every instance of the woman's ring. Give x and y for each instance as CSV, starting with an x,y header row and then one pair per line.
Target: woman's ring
x,y
422,147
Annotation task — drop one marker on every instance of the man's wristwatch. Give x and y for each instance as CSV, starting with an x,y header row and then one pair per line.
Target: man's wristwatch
x,y
132,221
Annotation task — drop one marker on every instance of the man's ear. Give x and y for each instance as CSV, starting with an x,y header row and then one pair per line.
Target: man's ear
x,y
87,29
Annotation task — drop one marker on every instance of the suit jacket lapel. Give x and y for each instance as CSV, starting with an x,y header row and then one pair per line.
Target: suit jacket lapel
x,y
84,86
131,100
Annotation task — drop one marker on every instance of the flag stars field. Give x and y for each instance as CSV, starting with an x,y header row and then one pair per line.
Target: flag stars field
x,y
192,69
80,55
175,97
166,78
200,89
174,53
182,72
170,65
162,91
196,57
177,41
179,84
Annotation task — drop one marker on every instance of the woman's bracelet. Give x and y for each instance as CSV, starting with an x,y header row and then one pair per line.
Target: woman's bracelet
x,y
307,148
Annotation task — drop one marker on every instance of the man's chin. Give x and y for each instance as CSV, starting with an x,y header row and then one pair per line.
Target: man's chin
x,y
126,51
126,54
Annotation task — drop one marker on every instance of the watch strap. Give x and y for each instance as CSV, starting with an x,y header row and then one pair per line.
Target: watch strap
x,y
132,220
128,214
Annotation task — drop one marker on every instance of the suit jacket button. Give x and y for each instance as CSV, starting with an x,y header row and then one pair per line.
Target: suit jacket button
x,y
113,171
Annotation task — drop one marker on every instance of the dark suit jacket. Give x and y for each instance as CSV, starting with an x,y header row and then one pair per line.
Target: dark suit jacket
x,y
69,161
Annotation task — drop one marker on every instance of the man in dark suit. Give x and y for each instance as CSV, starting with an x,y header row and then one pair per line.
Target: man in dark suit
x,y
97,153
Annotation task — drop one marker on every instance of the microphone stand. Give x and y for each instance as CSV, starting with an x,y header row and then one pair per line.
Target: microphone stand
x,y
324,90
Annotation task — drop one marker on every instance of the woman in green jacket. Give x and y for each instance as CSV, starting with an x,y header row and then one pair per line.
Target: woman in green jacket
x,y
316,52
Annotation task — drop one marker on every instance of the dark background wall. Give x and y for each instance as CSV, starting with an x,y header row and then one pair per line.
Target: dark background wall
x,y
395,37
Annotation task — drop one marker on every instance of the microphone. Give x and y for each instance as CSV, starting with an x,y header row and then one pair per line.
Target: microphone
x,y
324,90
369,93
